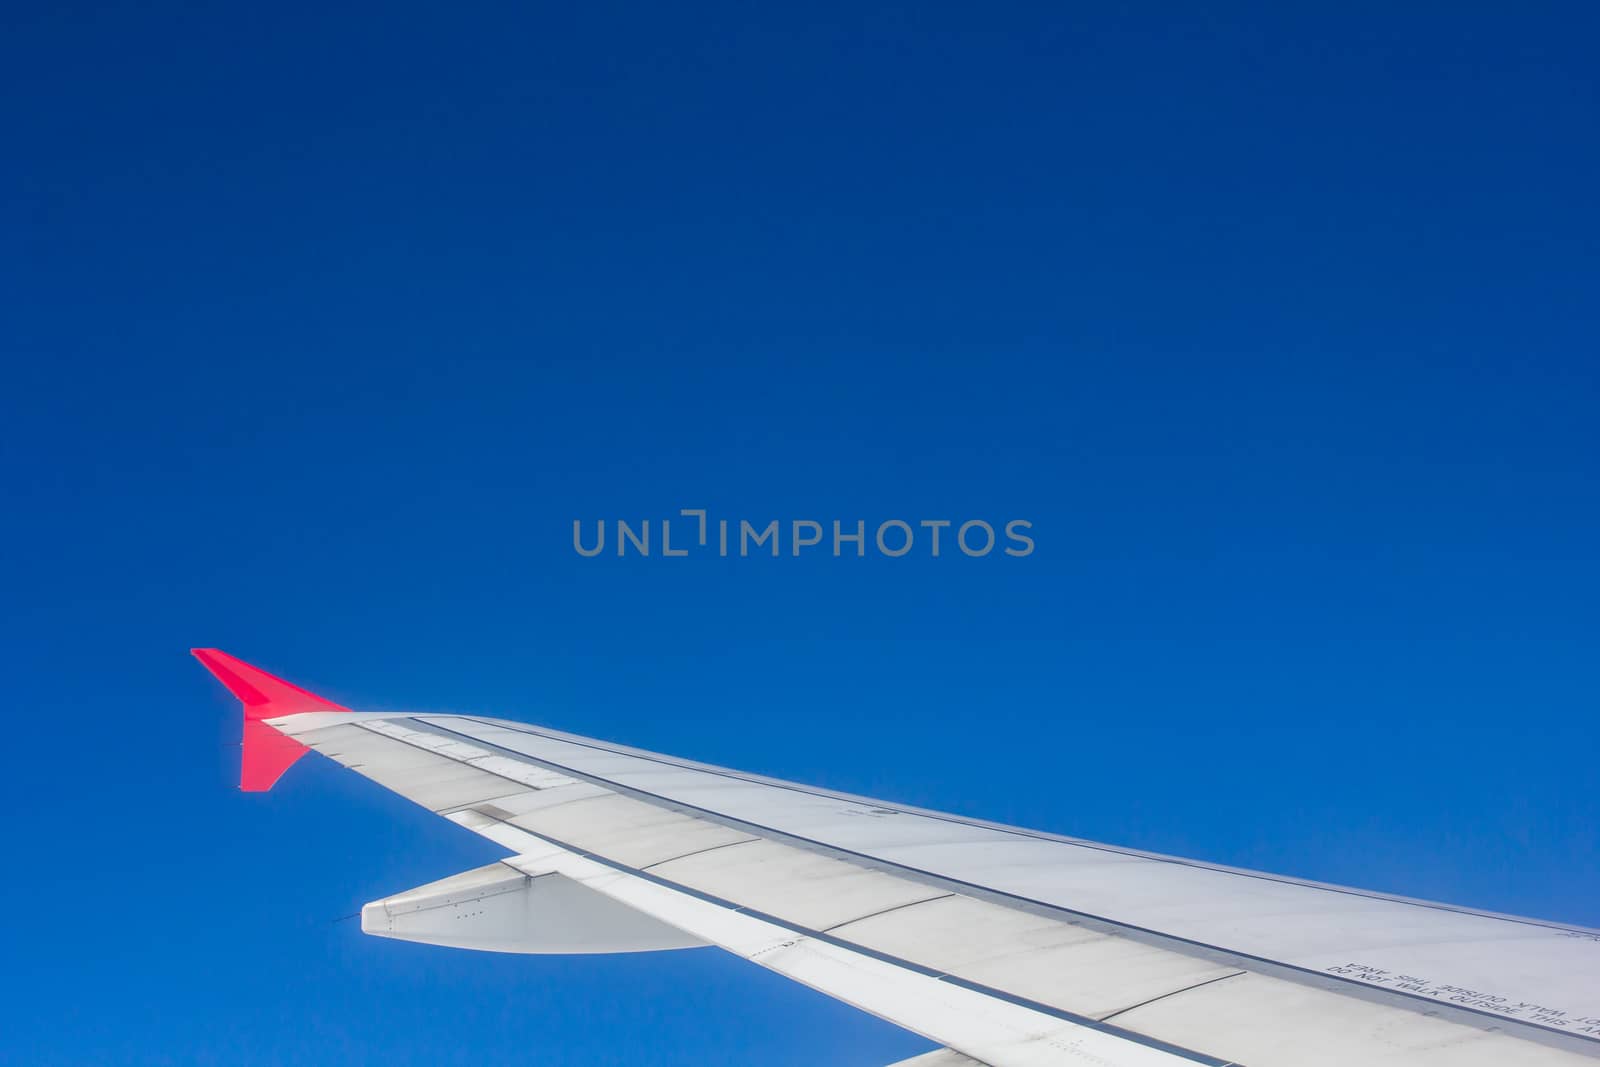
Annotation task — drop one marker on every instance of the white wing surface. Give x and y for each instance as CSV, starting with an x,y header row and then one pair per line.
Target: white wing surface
x,y
1007,946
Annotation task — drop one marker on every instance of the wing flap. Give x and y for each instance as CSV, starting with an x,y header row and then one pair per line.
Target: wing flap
x,y
984,1028
814,891
1049,960
941,1057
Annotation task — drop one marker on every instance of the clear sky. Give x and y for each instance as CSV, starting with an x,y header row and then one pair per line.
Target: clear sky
x,y
321,327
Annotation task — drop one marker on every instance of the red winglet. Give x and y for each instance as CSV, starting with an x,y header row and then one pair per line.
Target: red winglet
x,y
267,753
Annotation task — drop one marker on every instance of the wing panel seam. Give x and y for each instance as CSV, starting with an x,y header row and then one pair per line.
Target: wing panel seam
x,y
1337,984
1015,831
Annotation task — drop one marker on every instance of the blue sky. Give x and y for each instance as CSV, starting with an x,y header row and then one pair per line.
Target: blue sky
x,y
323,326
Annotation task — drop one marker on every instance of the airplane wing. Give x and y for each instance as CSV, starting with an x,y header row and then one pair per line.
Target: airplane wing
x,y
1009,947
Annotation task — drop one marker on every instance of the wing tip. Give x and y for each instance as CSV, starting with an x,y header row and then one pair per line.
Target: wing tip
x,y
266,752
263,695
